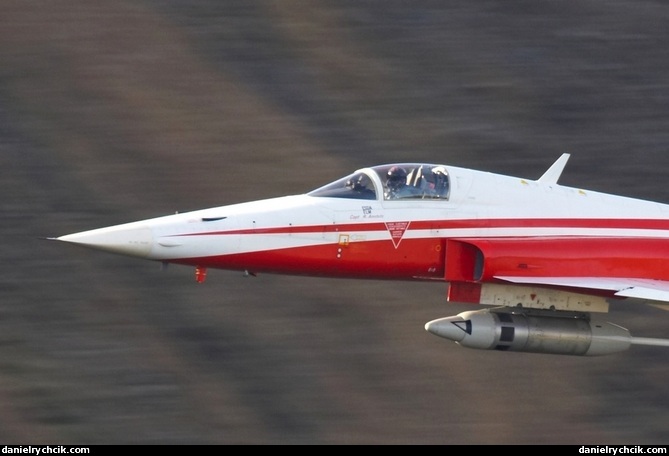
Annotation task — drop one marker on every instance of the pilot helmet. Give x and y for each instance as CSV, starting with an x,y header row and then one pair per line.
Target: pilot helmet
x,y
397,177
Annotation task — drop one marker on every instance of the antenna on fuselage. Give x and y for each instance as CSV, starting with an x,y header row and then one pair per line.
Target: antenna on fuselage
x,y
553,173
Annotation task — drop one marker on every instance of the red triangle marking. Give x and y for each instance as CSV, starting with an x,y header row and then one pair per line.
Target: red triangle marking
x,y
396,230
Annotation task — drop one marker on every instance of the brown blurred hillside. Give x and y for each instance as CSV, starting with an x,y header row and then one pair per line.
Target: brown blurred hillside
x,y
117,111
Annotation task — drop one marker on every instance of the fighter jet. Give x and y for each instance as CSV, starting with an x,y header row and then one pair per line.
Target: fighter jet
x,y
541,261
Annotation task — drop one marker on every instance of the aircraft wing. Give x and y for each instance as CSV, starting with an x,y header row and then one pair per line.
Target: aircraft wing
x,y
655,291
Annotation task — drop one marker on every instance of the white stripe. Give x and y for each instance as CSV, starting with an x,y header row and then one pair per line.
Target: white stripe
x,y
209,245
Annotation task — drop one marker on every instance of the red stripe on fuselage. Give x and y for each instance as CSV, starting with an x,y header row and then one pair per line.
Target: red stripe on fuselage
x,y
574,257
592,223
426,258
417,258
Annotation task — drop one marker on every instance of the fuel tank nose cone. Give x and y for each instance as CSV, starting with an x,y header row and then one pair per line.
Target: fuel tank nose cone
x,y
452,328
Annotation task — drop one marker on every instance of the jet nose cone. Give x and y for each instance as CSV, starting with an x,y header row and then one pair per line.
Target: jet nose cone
x,y
132,240
452,328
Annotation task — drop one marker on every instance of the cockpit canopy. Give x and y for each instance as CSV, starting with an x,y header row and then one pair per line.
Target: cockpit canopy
x,y
395,181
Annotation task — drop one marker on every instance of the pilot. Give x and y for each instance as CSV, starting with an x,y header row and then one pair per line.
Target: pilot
x,y
357,184
440,178
396,183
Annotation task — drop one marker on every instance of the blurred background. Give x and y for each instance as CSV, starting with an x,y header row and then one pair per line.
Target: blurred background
x,y
116,111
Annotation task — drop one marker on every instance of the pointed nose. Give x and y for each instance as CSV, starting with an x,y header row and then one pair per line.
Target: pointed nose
x,y
133,240
452,328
